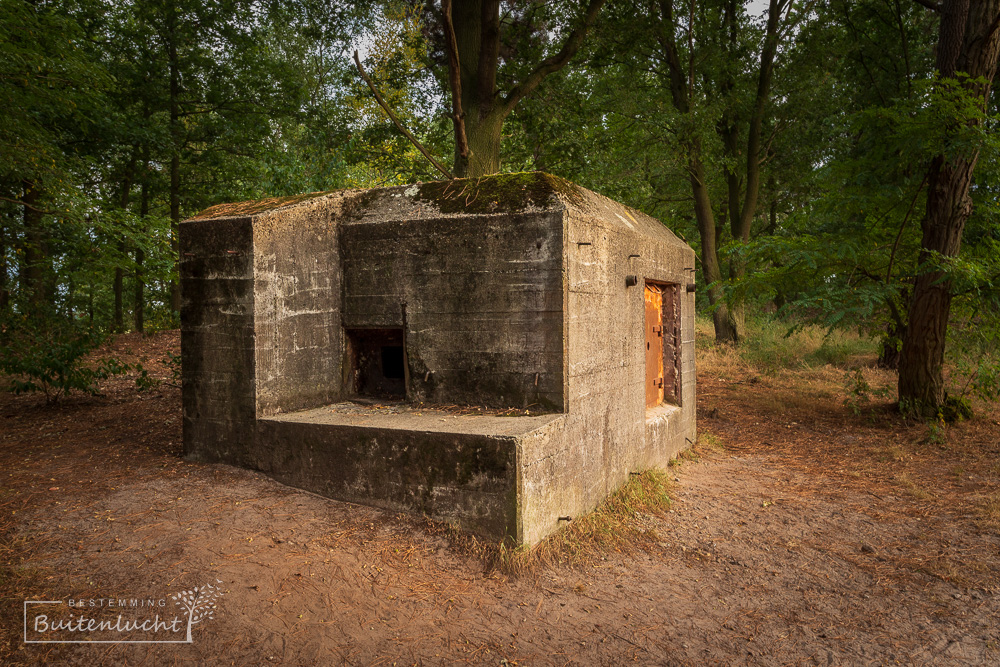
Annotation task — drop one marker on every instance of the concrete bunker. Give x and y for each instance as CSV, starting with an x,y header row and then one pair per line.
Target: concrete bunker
x,y
498,352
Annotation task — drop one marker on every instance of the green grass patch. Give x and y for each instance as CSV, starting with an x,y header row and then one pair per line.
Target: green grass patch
x,y
769,346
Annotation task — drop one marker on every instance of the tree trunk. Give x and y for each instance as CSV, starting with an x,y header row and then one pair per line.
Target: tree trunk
x,y
37,277
888,353
139,297
176,132
476,25
725,327
969,42
477,37
484,136
921,364
118,287
4,270
743,190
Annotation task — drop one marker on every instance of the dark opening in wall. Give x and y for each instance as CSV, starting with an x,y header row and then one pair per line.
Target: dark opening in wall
x,y
378,362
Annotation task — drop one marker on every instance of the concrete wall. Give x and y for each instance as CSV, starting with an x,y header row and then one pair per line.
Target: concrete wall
x,y
299,346
217,339
479,298
609,432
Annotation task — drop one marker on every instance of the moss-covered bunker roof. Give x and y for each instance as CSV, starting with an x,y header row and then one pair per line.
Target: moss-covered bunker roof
x,y
489,195
499,193
254,207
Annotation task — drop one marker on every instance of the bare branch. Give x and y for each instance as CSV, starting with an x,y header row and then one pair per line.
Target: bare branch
x,y
392,117
455,80
929,4
556,62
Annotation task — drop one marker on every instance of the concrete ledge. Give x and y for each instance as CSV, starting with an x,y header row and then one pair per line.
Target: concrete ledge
x,y
407,417
661,414
665,433
461,468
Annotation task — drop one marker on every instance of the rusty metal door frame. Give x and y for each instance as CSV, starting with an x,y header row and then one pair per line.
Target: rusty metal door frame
x,y
662,339
653,299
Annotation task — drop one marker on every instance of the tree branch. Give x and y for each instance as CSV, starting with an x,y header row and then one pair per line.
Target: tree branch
x,y
993,29
896,315
929,4
899,235
33,208
556,62
665,36
392,117
455,80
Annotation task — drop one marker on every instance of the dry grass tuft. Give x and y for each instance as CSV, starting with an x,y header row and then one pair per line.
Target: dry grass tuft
x,y
988,506
912,488
710,442
616,526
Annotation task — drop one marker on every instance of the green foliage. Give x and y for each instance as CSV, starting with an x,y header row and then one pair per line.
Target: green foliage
x,y
173,362
772,345
860,394
974,350
955,409
250,100
50,92
50,357
144,381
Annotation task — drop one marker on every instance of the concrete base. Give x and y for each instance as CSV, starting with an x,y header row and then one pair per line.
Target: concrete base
x,y
455,467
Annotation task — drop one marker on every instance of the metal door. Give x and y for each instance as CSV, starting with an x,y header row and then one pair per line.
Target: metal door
x,y
654,345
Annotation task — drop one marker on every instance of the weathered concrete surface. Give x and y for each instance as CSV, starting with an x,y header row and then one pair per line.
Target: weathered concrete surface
x,y
458,468
480,301
508,292
217,339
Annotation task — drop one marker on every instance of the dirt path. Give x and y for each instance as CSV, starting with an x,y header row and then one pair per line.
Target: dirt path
x,y
776,552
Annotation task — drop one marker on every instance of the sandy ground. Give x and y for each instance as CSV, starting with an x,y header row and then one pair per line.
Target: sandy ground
x,y
800,534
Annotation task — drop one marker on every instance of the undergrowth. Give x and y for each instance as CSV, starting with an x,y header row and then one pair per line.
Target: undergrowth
x,y
770,346
615,526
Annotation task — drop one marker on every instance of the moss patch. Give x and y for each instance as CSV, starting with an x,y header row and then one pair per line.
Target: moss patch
x,y
246,208
501,193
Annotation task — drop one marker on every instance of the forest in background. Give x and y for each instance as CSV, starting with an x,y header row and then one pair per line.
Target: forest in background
x,y
834,163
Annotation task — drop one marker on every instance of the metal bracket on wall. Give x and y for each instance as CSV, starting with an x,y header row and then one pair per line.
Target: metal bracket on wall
x,y
691,287
631,281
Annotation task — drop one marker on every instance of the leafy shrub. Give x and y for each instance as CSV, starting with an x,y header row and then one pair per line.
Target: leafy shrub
x,y
860,393
173,362
49,357
955,409
145,381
